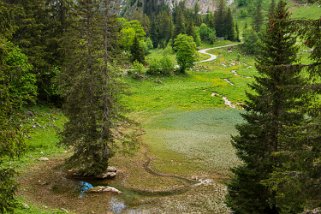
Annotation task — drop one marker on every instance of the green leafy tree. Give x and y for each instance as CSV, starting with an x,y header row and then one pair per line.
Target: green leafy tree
x,y
186,53
274,106
207,34
89,87
38,32
129,30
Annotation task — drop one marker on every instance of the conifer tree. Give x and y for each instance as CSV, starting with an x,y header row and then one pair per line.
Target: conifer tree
x,y
89,87
179,19
258,17
229,26
17,88
237,31
219,19
297,179
274,106
137,52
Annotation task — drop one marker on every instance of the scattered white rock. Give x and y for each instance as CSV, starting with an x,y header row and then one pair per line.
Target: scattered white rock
x,y
234,72
25,206
214,94
107,175
43,159
111,169
204,182
110,173
100,189
228,103
228,81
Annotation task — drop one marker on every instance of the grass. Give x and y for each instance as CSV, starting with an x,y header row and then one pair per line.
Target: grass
x,y
186,127
306,11
41,142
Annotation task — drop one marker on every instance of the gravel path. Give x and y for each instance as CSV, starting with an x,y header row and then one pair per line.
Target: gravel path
x,y
212,56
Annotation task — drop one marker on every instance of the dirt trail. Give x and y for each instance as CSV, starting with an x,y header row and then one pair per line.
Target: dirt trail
x,y
212,56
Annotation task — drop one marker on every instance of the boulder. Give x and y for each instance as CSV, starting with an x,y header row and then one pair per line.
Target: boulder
x,y
109,174
43,159
314,211
111,169
101,189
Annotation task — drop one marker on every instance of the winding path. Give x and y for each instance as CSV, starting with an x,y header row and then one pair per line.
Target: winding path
x,y
212,56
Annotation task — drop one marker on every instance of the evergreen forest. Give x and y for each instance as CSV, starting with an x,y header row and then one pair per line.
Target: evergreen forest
x,y
157,106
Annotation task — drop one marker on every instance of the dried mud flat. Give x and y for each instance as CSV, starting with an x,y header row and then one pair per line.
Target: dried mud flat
x,y
45,185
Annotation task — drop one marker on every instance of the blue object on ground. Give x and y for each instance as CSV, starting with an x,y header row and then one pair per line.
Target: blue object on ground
x,y
84,186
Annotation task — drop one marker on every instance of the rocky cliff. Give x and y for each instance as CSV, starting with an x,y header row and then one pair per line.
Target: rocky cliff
x,y
204,5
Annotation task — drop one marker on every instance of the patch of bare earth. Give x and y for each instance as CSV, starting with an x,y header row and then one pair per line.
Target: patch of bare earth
x,y
144,191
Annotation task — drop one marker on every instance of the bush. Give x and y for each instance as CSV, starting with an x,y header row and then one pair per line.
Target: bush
x,y
163,66
137,71
138,67
167,66
207,34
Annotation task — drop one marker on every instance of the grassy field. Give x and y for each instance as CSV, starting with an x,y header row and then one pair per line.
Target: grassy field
x,y
306,11
187,133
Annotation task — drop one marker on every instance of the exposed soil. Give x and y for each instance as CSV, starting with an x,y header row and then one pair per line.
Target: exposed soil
x,y
45,184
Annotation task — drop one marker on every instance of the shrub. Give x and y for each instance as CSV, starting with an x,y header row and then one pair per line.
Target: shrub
x,y
207,34
163,66
137,71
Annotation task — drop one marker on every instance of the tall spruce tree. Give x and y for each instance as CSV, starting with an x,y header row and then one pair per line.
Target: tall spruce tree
x,y
297,180
219,19
179,19
229,26
273,107
89,88
137,52
258,17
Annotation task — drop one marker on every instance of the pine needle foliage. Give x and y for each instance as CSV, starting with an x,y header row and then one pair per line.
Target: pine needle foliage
x,y
89,87
17,87
270,110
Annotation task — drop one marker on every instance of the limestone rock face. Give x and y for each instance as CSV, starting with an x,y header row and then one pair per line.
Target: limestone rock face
x,y
129,7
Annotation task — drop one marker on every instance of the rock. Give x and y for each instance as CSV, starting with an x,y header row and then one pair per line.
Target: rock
x,y
43,159
25,206
314,211
111,169
214,94
30,114
158,81
106,175
100,189
234,72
